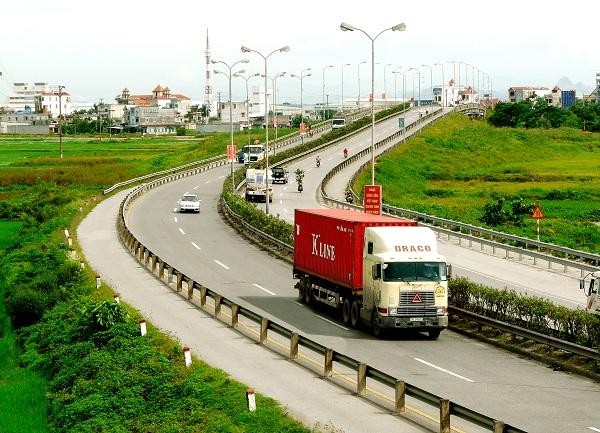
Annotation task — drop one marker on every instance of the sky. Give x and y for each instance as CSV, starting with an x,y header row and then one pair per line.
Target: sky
x,y
96,49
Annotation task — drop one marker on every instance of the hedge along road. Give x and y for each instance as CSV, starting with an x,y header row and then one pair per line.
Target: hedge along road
x,y
480,377
487,269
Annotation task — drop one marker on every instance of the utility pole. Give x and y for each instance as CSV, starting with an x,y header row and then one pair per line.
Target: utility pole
x,y
100,117
60,89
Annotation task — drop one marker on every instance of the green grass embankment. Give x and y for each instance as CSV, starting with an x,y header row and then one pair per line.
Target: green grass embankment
x,y
76,376
457,166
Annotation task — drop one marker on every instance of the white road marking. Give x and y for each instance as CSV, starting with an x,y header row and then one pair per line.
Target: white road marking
x,y
284,188
285,210
594,429
443,369
331,322
298,303
175,219
281,195
221,264
208,181
181,231
221,177
196,246
308,169
174,209
196,187
280,201
264,290
329,159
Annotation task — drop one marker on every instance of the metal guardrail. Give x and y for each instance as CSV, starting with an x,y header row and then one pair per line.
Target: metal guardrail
x,y
171,275
454,229
556,343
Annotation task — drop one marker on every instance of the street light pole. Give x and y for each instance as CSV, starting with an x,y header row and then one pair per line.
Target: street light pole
x,y
384,85
237,74
283,50
274,84
342,101
430,80
230,105
301,78
358,99
323,101
60,89
398,27
443,83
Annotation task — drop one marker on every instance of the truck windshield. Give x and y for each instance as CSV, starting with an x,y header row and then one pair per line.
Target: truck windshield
x,y
414,271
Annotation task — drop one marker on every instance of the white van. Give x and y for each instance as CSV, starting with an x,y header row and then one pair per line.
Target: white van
x,y
338,123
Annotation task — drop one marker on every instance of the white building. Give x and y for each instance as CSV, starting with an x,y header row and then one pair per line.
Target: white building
x,y
25,94
151,120
449,94
54,104
257,101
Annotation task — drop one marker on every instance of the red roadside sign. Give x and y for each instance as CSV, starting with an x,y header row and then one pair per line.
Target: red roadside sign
x,y
372,199
231,151
537,212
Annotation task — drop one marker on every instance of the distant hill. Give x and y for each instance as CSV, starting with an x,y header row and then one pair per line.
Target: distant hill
x,y
566,84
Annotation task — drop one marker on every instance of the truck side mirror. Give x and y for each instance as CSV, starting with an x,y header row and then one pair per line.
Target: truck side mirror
x,y
377,271
448,271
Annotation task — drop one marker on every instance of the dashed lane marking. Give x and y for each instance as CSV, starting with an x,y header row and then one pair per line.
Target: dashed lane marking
x,y
196,187
175,219
181,231
196,246
332,323
221,264
263,289
444,370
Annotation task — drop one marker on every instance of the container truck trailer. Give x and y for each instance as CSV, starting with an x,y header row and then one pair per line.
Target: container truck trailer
x,y
378,271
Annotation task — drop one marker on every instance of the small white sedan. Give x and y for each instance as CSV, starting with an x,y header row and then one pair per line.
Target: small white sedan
x,y
189,202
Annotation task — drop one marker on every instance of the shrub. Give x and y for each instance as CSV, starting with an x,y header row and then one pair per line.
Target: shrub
x,y
26,306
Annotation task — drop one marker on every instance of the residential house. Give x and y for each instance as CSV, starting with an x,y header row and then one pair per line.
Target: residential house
x,y
521,93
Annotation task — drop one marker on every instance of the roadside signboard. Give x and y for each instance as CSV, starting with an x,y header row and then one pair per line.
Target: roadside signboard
x,y
537,215
372,199
231,152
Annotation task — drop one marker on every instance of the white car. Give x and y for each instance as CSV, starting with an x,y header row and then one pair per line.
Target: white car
x,y
189,202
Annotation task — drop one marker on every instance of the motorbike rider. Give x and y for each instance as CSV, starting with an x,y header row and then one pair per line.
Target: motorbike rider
x,y
349,197
345,152
300,187
318,161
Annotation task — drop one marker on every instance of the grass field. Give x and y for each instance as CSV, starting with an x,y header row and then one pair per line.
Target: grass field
x,y
457,166
8,232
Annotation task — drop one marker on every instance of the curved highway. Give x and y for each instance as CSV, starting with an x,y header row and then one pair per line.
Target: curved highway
x,y
521,392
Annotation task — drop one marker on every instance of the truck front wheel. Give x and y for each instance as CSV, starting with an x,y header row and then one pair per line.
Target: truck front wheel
x,y
375,325
307,291
434,334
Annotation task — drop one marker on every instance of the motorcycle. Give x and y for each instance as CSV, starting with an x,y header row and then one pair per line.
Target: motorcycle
x,y
349,197
345,153
300,187
318,162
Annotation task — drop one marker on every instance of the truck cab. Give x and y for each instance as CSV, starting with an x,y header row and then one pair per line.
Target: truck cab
x,y
590,285
405,280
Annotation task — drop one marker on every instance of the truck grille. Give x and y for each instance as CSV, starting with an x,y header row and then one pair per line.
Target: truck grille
x,y
410,306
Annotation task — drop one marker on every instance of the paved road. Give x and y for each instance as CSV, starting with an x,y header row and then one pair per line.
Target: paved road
x,y
478,376
306,396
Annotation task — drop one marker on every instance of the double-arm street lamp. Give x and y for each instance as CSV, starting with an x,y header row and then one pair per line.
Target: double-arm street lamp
x,y
229,76
265,58
303,73
323,107
238,75
347,27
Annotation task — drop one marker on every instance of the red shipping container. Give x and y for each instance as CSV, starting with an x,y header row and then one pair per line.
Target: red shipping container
x,y
328,243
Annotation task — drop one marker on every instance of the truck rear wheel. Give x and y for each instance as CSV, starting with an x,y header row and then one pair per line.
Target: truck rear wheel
x,y
307,289
355,314
346,311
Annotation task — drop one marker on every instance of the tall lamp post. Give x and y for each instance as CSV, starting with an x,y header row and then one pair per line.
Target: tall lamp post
x,y
283,50
358,74
323,108
443,84
229,76
238,75
274,84
303,74
347,27
430,80
419,85
342,100
384,85
60,90
396,73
